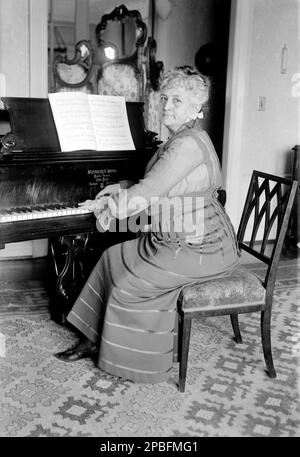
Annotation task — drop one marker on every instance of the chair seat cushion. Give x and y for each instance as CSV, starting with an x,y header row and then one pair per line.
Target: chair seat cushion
x,y
239,288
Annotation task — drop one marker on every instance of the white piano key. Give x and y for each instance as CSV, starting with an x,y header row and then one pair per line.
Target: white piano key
x,y
36,215
69,211
42,214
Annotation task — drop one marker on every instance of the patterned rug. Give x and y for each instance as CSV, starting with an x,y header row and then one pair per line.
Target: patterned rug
x,y
228,392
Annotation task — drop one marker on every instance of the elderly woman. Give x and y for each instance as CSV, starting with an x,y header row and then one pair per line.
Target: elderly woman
x,y
127,308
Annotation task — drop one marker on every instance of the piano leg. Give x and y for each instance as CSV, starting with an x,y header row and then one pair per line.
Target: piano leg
x,y
67,273
71,259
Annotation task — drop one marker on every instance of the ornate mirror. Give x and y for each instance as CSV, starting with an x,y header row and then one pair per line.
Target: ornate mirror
x,y
120,37
123,30
119,64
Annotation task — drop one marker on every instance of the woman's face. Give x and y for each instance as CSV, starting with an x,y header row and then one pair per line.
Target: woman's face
x,y
177,107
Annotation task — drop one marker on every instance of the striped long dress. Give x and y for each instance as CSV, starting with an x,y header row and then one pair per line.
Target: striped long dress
x,y
128,304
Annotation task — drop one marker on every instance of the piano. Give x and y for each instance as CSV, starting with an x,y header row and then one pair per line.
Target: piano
x,y
40,188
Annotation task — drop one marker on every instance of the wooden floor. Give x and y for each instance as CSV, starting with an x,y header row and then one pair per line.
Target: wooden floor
x,y
23,270
36,269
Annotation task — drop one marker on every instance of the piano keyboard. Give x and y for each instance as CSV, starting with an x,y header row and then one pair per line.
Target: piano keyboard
x,y
40,212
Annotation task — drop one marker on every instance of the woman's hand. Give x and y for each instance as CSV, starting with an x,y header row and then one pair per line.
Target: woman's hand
x,y
94,205
109,190
104,219
88,204
115,188
101,210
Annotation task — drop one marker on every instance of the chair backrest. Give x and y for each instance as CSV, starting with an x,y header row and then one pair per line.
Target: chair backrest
x,y
265,220
74,74
119,79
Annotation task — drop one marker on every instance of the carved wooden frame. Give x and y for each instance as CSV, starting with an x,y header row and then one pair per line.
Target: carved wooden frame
x,y
86,63
135,60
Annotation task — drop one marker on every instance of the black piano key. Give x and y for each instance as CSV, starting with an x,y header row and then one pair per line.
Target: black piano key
x,y
50,207
56,206
39,208
24,209
12,210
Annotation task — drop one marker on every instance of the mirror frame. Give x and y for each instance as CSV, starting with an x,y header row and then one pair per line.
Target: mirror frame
x,y
118,14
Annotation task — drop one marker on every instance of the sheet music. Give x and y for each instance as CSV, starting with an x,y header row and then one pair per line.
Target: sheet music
x,y
110,122
86,121
73,121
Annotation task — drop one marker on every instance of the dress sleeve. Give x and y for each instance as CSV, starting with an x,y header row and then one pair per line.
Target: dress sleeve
x,y
182,156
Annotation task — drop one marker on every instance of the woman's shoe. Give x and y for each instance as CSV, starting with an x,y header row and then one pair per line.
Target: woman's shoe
x,y
85,348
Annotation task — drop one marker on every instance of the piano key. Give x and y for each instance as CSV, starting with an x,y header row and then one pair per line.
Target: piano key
x,y
40,212
4,211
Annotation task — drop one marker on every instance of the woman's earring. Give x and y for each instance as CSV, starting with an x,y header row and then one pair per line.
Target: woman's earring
x,y
200,114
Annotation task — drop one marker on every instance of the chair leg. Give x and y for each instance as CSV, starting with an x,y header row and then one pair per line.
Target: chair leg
x,y
236,329
185,323
266,341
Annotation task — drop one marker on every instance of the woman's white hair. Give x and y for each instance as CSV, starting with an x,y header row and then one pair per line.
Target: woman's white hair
x,y
189,78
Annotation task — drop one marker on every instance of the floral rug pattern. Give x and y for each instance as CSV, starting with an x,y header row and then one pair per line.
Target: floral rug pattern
x,y
228,392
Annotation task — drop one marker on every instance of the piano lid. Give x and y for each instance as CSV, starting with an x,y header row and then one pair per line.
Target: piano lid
x,y
33,128
32,125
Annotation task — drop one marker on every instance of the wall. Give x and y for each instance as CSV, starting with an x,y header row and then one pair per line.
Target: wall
x,y
14,46
23,70
269,135
261,140
190,25
180,35
23,47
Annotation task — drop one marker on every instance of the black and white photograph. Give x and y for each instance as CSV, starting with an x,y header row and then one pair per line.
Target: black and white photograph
x,y
149,224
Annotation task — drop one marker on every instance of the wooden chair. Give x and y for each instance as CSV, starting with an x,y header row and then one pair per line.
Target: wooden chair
x,y
265,218
74,74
